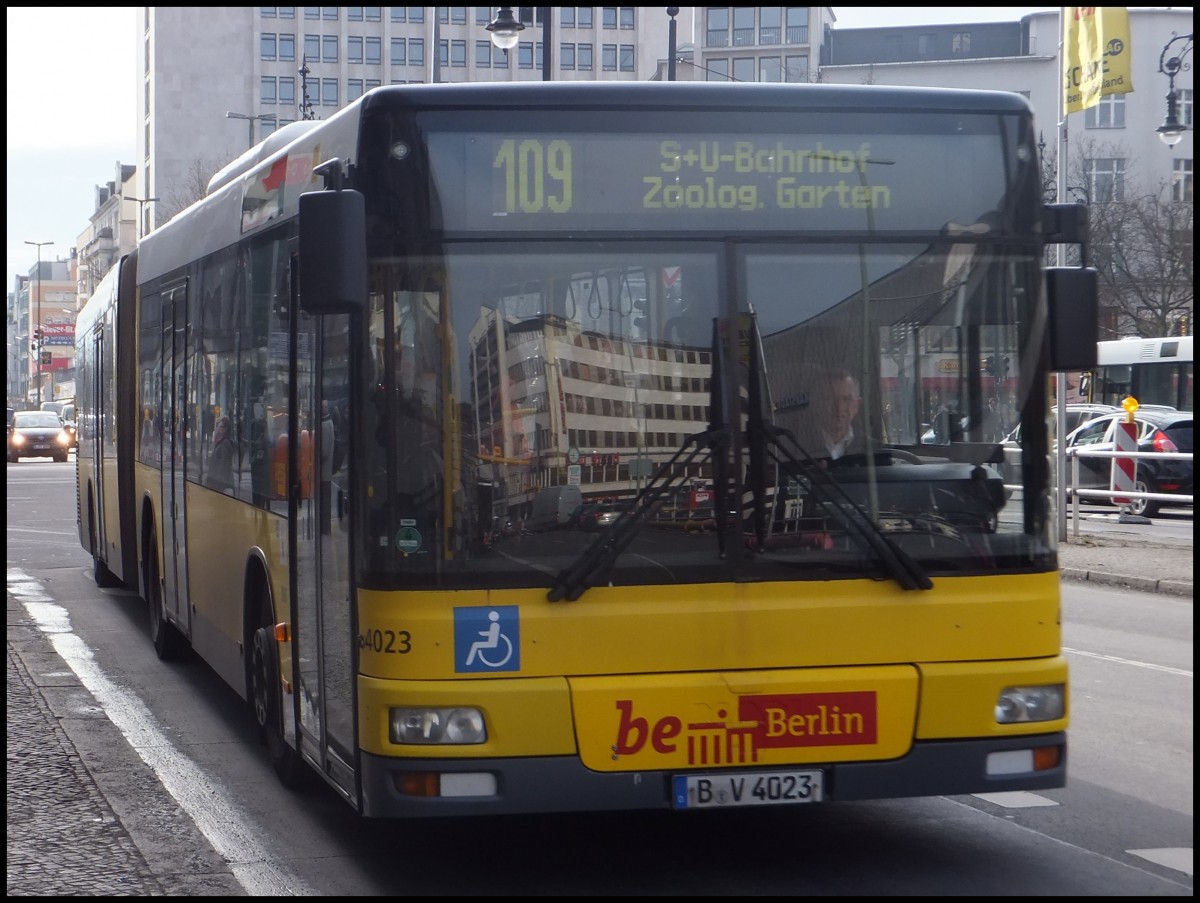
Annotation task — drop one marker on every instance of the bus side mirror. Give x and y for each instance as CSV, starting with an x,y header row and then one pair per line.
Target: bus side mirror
x,y
1072,297
333,252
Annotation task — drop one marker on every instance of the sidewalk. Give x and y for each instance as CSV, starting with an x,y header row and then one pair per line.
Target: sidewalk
x,y
86,817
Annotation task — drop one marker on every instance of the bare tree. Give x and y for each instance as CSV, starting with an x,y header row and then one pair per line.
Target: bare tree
x,y
191,188
1141,243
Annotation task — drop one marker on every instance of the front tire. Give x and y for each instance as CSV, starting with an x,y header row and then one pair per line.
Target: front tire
x,y
266,699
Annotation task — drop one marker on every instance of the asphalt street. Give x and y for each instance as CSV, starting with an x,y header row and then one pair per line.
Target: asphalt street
x,y
86,817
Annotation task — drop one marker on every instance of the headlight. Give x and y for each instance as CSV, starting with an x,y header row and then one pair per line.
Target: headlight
x,y
436,726
1022,704
64,438
18,439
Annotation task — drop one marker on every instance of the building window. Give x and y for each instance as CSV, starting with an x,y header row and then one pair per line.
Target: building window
x,y
266,126
458,51
584,60
960,43
628,20
566,56
329,12
525,55
584,15
795,69
499,58
398,51
770,69
374,51
1181,181
416,50
483,54
416,14
312,47
770,21
266,89
796,29
374,13
566,17
608,16
312,12
458,15
268,12
1106,178
354,89
743,69
398,13
266,46
372,83
354,13
329,92
608,56
444,53
287,12
1185,106
628,57
716,27
329,48
743,26
287,46
1109,113
287,91
354,51
717,70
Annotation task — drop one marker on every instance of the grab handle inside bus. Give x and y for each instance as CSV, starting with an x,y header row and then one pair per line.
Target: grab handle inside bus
x,y
333,252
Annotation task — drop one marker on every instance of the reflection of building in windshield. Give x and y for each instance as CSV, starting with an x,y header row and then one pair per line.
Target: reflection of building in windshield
x,y
545,389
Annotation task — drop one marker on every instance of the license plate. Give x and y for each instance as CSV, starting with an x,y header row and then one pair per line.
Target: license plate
x,y
741,788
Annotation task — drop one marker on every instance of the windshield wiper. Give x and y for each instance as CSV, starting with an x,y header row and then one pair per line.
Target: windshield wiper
x,y
854,520
590,568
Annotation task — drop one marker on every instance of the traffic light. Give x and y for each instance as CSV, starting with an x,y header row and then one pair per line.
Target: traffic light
x,y
45,358
37,339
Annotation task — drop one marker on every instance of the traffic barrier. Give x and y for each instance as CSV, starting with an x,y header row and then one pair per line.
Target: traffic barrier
x,y
1124,470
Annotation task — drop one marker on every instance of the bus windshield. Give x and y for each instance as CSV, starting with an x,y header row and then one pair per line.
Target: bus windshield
x,y
502,376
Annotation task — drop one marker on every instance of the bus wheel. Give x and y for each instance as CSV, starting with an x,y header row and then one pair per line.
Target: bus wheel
x,y
266,698
169,643
100,572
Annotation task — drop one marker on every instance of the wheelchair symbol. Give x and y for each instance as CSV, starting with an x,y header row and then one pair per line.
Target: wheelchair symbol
x,y
490,650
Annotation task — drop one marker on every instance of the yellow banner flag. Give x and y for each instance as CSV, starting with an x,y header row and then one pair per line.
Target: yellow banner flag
x,y
1096,55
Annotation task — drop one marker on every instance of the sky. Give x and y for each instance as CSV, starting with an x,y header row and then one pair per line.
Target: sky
x,y
72,97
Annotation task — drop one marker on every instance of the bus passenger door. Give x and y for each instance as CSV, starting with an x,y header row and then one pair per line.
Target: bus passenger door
x,y
324,632
175,451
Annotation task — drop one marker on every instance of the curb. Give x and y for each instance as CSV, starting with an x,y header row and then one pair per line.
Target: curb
x,y
1144,584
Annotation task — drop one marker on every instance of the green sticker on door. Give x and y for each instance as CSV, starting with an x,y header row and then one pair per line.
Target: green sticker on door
x,y
408,539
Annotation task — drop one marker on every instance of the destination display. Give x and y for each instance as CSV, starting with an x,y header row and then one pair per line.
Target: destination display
x,y
547,181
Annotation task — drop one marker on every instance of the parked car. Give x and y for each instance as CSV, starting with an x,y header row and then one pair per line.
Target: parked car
x,y
68,419
1077,414
37,434
1158,430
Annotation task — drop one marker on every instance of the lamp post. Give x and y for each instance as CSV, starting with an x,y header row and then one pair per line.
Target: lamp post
x,y
141,202
1171,131
672,12
249,119
41,338
506,29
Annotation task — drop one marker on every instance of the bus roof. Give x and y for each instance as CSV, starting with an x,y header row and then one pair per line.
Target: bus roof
x,y
1139,350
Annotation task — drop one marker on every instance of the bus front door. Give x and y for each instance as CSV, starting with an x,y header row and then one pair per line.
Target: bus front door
x,y
324,624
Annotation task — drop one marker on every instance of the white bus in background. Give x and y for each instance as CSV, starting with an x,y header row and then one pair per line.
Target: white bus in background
x,y
1154,371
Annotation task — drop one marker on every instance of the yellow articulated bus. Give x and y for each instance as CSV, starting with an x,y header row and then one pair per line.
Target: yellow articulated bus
x,y
318,408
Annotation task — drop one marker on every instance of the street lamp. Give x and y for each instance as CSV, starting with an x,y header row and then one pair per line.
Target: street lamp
x,y
249,119
672,12
41,338
506,29
141,202
1171,131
